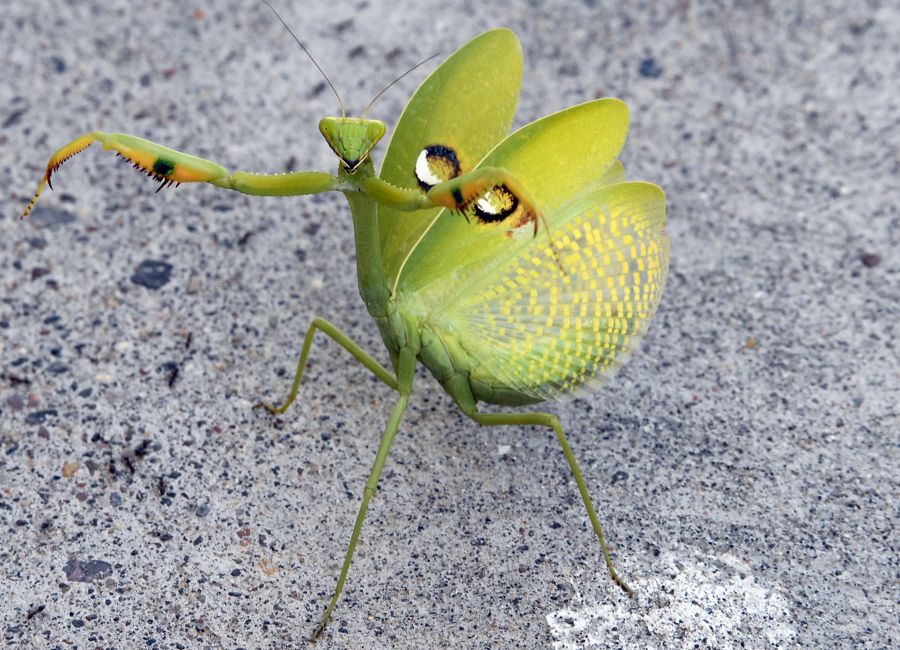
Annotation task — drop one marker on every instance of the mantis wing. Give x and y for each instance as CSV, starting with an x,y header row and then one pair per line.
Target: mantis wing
x,y
467,105
542,319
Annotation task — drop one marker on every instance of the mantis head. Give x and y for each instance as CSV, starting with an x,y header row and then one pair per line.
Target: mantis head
x,y
352,138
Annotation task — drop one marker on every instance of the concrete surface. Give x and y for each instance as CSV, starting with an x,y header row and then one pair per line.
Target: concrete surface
x,y
744,463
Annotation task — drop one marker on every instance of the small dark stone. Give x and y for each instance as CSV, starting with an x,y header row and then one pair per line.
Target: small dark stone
x,y
141,450
202,511
317,90
115,499
870,260
245,238
13,118
87,570
152,274
86,392
170,369
860,28
619,476
39,417
235,572
15,402
50,217
650,68
78,623
58,368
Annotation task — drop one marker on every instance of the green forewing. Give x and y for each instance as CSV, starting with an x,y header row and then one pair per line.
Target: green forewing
x,y
533,320
557,159
467,104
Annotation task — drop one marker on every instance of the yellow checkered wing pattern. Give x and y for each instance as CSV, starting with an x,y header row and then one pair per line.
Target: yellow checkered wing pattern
x,y
546,331
544,315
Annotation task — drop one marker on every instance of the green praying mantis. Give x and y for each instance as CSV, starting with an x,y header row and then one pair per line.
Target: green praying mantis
x,y
450,262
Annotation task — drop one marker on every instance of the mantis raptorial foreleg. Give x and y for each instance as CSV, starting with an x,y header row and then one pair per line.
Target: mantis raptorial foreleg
x,y
495,193
168,166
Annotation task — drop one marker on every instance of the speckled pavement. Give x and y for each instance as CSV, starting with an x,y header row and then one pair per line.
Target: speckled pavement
x,y
744,462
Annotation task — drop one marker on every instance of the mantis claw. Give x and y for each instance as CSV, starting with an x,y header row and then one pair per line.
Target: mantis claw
x,y
164,165
62,155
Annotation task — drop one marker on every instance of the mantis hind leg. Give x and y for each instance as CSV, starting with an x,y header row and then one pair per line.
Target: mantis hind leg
x,y
552,422
322,325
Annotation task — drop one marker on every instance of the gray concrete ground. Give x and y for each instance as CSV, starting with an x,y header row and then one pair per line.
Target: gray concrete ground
x,y
744,462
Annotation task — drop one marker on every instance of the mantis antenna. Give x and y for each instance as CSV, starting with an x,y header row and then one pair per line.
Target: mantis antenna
x,y
315,63
384,90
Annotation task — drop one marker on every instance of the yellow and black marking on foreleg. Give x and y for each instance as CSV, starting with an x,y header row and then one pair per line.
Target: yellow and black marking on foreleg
x,y
160,171
493,196
164,165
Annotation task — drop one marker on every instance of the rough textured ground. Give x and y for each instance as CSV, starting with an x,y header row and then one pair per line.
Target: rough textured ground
x,y
745,462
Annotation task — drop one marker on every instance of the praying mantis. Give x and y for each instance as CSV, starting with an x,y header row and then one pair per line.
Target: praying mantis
x,y
517,268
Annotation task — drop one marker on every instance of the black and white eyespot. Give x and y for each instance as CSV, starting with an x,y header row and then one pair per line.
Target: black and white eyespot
x,y
436,163
496,204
